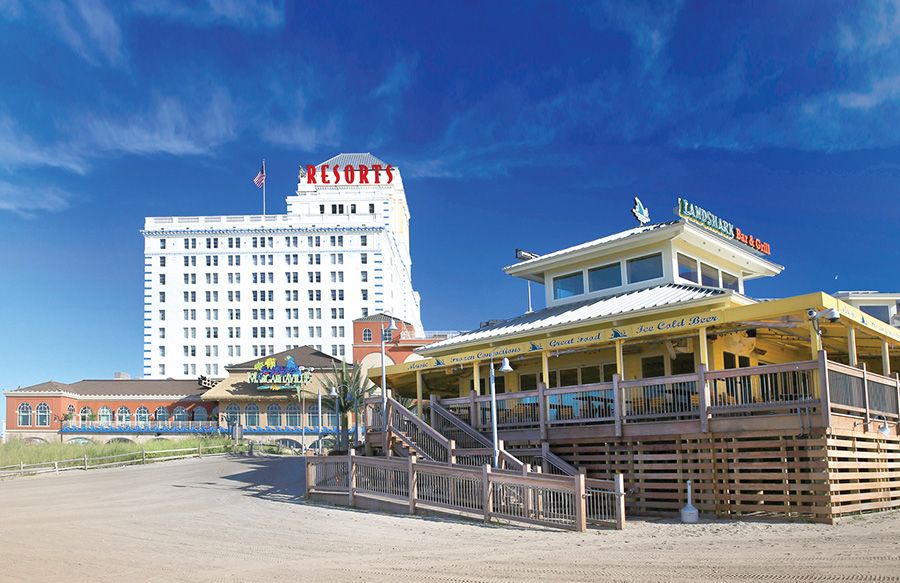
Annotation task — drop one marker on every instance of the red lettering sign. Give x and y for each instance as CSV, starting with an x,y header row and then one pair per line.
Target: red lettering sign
x,y
348,174
753,242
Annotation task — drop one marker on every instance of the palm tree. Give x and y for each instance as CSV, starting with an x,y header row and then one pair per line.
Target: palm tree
x,y
352,387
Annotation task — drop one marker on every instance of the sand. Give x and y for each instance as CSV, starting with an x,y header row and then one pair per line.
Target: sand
x,y
242,519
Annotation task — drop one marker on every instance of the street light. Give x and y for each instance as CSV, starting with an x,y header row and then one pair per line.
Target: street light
x,y
391,328
331,393
504,367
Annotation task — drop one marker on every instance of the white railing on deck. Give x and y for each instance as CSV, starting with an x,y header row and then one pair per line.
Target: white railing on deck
x,y
859,393
661,398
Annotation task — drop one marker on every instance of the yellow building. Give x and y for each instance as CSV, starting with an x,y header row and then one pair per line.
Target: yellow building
x,y
650,360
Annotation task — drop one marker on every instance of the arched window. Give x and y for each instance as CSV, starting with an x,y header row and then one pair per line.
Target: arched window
x,y
233,414
200,414
273,415
24,411
388,335
161,414
123,415
85,414
105,414
313,415
214,414
180,414
292,418
71,411
42,419
367,335
251,415
142,414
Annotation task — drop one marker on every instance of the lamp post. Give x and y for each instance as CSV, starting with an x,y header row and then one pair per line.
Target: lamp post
x,y
504,367
332,393
391,328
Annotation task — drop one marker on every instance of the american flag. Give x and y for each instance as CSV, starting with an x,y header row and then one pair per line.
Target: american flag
x,y
260,179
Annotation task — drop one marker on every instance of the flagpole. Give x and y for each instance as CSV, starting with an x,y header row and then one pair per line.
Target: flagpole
x,y
264,187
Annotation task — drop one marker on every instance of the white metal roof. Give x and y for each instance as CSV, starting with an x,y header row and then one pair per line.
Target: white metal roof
x,y
353,159
621,305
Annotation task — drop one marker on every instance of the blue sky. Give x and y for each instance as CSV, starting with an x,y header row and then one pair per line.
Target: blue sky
x,y
515,124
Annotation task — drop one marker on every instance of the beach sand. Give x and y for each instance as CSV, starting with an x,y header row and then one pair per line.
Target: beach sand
x,y
242,519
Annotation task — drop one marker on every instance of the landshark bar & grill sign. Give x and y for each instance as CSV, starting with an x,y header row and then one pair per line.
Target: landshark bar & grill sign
x,y
706,219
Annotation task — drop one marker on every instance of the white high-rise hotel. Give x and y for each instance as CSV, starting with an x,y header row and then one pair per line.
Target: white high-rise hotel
x,y
225,289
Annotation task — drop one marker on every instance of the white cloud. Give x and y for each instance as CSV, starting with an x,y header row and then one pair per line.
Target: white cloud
x,y
18,150
89,28
26,201
398,79
168,127
248,14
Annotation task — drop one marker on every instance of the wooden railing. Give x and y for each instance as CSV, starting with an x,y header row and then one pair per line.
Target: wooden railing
x,y
474,448
416,434
566,502
776,389
543,458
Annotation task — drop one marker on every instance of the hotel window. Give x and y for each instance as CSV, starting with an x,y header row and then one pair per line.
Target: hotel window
x,y
162,261
162,297
566,286
161,414
882,312
162,332
388,335
364,258
292,417
162,279
365,312
363,240
251,415
645,268
162,243
162,370
142,414
352,209
273,415
371,209
687,268
105,415
730,282
364,275
162,351
367,335
709,275
123,415
24,415
605,277
365,295
162,314
321,209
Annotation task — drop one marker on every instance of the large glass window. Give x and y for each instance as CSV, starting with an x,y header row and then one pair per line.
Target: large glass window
x,y
142,414
604,277
730,281
683,363
880,312
687,268
653,366
645,268
566,286
233,414
251,415
608,371
180,414
590,375
273,415
200,414
709,275
85,414
105,414
161,414
24,415
568,377
123,415
42,417
528,382
367,335
292,417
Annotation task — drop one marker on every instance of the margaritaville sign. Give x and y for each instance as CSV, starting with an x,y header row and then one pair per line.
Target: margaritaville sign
x,y
268,375
691,212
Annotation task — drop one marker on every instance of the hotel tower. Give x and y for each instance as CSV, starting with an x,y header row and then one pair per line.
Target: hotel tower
x,y
225,289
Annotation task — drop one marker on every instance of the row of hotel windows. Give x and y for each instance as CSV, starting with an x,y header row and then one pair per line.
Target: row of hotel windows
x,y
265,276
40,416
290,259
338,209
261,332
636,270
258,350
261,295
235,313
263,242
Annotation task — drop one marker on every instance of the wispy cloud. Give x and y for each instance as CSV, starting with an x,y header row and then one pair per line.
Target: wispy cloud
x,y
10,9
246,14
398,79
19,150
27,201
167,127
89,28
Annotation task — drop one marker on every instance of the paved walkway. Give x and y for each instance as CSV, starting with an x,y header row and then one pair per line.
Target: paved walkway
x,y
241,519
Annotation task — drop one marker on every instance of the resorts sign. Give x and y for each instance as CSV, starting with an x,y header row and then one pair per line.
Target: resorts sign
x,y
706,219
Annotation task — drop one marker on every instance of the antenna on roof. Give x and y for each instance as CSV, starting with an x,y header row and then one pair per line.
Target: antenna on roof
x,y
523,255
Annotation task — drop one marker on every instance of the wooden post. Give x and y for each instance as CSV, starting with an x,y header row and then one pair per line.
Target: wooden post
x,y
825,388
617,404
580,504
308,477
486,492
22,469
143,456
866,393
351,478
413,484
704,347
434,400
620,501
885,359
703,397
451,454
620,359
199,451
851,346
85,461
542,410
529,493
897,381
545,449
473,411
56,467
476,377
419,396
386,428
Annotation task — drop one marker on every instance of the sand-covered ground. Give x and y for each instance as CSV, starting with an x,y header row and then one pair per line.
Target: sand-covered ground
x,y
241,519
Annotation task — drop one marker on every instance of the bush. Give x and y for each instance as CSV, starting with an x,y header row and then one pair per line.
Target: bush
x,y
17,451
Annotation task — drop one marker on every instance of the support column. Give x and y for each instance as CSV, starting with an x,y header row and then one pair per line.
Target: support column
x,y
545,369
885,359
703,397
824,389
704,347
815,341
419,393
851,346
620,360
476,378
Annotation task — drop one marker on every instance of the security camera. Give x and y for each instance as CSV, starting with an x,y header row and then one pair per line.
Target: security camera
x,y
811,313
832,315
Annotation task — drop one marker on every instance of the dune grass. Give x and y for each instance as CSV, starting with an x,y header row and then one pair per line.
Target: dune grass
x,y
16,451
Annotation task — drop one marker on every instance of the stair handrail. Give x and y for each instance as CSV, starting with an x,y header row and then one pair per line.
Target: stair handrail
x,y
511,460
408,415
